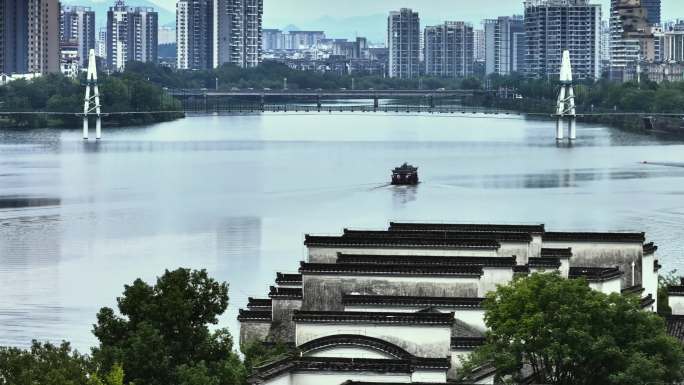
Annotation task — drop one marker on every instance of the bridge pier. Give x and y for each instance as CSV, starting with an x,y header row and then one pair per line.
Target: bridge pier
x,y
565,106
432,100
92,104
376,103
318,102
262,102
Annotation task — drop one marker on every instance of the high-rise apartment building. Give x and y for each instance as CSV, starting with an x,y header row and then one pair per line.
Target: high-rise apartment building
x,y
132,35
101,49
478,44
211,33
632,39
404,43
77,26
505,46
449,50
237,32
653,11
13,36
552,26
29,36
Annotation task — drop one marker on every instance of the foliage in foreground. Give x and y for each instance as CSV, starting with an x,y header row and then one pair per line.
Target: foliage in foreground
x,y
162,334
568,334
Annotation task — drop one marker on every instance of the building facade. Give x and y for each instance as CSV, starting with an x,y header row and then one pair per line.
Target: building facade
x,y
478,44
653,11
77,26
132,35
404,305
404,43
632,38
552,26
237,30
505,45
29,36
449,51
14,38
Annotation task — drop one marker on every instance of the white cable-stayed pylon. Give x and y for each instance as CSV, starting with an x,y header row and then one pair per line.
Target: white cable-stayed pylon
x,y
566,101
91,104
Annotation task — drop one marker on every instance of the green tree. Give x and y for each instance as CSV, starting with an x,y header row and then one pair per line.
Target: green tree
x,y
669,279
162,334
43,364
568,334
257,353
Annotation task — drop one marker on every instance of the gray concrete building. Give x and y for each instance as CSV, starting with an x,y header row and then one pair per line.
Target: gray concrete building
x,y
632,39
505,45
77,26
194,34
449,50
132,35
653,11
404,43
552,26
14,36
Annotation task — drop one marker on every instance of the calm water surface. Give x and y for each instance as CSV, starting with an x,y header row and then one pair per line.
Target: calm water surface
x,y
236,194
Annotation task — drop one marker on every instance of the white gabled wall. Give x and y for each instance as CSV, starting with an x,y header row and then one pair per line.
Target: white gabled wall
x,y
676,303
419,340
650,277
429,376
337,378
329,254
610,286
346,351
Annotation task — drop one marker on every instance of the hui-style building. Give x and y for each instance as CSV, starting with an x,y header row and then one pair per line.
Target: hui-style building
x,y
404,305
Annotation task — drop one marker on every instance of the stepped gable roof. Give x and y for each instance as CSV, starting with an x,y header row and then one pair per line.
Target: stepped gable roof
x,y
480,373
342,241
385,300
675,326
677,291
647,301
425,260
636,289
405,270
522,269
288,279
544,263
595,274
258,303
355,340
650,248
285,293
253,315
393,318
336,364
434,234
656,266
467,342
556,253
594,237
466,227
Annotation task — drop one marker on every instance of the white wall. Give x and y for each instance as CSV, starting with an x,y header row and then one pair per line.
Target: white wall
x,y
337,378
493,276
419,340
319,254
347,351
472,316
608,287
429,376
677,304
650,278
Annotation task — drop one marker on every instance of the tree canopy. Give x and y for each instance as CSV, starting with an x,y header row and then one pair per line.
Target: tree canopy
x,y
567,334
162,336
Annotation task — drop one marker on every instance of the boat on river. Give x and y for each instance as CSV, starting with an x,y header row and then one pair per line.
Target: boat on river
x,y
405,175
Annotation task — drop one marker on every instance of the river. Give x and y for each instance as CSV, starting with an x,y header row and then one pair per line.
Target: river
x,y
236,194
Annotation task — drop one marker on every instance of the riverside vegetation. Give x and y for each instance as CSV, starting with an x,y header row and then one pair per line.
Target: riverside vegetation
x,y
160,335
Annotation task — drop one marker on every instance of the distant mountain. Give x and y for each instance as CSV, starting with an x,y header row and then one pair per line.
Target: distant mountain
x,y
101,7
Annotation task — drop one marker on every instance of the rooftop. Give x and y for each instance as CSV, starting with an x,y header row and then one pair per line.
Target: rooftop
x,y
441,234
288,279
544,262
450,302
251,315
425,260
409,270
650,248
429,318
356,340
258,302
285,293
466,227
675,326
594,237
342,241
467,342
556,253
595,274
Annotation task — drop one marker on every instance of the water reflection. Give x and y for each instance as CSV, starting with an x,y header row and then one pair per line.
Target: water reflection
x,y
402,195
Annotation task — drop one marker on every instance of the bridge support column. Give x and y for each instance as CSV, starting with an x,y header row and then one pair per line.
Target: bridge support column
x,y
565,106
318,102
376,103
432,101
262,103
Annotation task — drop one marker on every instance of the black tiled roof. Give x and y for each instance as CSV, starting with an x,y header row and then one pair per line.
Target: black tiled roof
x,y
285,293
556,253
445,319
650,248
647,301
595,274
450,302
288,279
425,260
523,269
594,237
252,315
656,266
314,364
676,290
467,342
637,289
675,326
434,234
464,227
544,262
331,241
407,270
356,340
258,302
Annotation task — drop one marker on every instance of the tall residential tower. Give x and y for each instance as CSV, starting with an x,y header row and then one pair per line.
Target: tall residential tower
x,y
132,35
449,50
403,41
29,36
505,46
77,26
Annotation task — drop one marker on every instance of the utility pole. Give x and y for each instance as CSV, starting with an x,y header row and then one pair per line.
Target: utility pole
x,y
284,84
217,83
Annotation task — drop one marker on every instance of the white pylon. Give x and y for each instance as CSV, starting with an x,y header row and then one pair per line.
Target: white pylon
x,y
91,104
566,101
